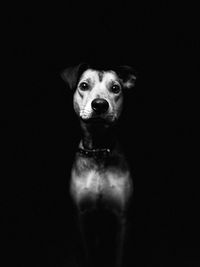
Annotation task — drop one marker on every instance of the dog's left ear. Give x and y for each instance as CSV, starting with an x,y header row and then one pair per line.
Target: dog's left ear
x,y
71,75
128,76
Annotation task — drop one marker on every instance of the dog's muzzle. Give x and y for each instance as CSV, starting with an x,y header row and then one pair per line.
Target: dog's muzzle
x,y
100,105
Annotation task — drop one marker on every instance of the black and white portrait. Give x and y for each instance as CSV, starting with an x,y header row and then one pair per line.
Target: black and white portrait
x,y
98,135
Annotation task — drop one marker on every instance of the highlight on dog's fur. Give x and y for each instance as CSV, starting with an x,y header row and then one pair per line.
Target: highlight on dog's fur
x,y
71,74
100,175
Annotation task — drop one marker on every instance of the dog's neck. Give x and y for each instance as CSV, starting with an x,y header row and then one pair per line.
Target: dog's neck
x,y
98,137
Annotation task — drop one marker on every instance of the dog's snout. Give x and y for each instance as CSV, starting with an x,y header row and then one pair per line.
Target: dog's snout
x,y
100,105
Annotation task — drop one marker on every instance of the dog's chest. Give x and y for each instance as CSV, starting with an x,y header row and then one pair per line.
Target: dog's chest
x,y
91,181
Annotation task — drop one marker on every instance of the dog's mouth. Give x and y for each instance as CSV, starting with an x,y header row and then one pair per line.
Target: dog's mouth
x,y
106,119
96,120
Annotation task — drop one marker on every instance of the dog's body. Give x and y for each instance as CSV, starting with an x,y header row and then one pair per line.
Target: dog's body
x,y
100,174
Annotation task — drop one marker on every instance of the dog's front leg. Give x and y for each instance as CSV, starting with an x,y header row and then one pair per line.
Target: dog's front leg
x,y
89,238
84,238
122,227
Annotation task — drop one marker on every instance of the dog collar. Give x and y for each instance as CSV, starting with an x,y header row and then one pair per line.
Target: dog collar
x,y
95,153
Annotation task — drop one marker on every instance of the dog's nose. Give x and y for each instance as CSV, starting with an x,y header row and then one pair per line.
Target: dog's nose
x,y
100,105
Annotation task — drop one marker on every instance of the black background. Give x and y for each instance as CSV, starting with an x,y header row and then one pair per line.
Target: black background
x,y
40,132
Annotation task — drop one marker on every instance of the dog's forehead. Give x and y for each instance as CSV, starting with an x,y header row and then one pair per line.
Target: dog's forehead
x,y
99,75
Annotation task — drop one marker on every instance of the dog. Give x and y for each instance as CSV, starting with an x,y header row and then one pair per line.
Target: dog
x,y
100,176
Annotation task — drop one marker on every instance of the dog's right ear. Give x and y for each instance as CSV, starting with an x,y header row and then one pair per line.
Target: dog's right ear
x,y
71,75
128,76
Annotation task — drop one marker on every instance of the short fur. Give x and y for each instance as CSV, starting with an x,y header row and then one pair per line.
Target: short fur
x,y
100,175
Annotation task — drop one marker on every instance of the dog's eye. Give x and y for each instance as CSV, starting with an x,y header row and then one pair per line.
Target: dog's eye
x,y
115,88
84,86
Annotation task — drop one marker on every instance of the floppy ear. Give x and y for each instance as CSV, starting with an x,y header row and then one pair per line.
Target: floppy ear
x,y
128,76
72,74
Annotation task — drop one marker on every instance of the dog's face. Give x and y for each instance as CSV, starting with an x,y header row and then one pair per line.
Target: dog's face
x,y
98,95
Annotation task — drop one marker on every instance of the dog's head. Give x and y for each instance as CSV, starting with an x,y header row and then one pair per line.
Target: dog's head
x,y
98,94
